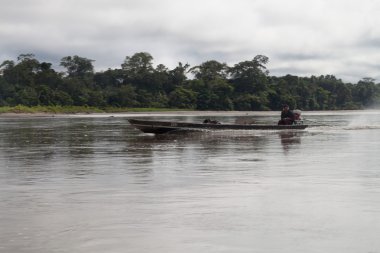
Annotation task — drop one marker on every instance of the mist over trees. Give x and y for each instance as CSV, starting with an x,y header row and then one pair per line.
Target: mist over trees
x,y
212,85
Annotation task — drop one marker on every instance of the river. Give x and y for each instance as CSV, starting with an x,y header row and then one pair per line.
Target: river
x,y
93,183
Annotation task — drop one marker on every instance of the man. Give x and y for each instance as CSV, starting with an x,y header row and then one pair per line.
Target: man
x,y
287,116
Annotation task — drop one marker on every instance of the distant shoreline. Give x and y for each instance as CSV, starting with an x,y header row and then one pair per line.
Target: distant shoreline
x,y
79,111
65,110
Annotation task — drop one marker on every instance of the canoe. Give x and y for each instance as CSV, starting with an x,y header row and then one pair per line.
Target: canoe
x,y
160,127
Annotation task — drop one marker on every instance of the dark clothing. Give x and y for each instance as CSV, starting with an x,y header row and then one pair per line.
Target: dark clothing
x,y
288,114
287,118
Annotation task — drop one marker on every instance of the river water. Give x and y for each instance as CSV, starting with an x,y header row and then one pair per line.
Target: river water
x,y
93,183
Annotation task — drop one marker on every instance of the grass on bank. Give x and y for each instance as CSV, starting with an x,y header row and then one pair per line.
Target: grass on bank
x,y
75,109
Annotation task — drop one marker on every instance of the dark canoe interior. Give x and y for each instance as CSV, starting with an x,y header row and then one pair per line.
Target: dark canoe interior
x,y
159,127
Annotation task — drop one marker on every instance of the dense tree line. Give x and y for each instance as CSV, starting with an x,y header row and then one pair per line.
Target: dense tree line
x,y
210,86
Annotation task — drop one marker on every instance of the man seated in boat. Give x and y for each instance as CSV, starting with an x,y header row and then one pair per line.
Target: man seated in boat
x,y
287,116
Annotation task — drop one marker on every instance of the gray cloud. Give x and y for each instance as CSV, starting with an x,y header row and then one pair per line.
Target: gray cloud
x,y
300,37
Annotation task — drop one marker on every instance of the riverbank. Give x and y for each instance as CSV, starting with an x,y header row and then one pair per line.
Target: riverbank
x,y
63,111
79,111
52,110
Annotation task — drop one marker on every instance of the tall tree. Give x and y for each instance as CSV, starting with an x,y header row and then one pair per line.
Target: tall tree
x,y
77,66
138,66
210,70
177,76
250,76
365,92
23,72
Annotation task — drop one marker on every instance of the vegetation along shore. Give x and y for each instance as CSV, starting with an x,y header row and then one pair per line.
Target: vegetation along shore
x,y
21,109
28,85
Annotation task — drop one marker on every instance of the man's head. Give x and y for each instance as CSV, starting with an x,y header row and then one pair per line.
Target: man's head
x,y
285,107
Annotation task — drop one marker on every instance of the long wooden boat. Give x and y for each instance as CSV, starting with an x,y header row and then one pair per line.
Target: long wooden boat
x,y
160,127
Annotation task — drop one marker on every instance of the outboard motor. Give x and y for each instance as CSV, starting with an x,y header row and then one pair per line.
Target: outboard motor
x,y
297,117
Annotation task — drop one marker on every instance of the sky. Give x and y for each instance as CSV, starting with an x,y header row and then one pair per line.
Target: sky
x,y
300,37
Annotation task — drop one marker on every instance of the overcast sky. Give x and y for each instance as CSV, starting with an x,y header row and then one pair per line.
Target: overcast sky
x,y
300,37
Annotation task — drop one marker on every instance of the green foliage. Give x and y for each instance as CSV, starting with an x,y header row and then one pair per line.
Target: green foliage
x,y
249,102
182,98
124,96
77,66
177,76
366,92
138,70
48,109
138,64
250,76
210,70
138,84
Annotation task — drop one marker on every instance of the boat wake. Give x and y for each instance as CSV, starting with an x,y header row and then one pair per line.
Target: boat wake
x,y
342,127
362,127
347,127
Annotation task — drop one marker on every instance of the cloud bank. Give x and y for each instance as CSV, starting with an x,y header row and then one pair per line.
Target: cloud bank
x,y
300,37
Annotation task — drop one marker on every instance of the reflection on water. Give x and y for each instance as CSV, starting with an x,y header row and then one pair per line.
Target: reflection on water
x,y
96,184
290,139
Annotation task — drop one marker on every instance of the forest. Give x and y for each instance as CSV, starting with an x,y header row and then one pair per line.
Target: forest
x,y
212,85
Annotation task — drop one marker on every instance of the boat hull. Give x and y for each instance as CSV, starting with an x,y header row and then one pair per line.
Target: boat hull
x,y
160,127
